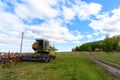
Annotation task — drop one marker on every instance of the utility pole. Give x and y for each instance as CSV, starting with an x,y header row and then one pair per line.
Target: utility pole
x,y
21,42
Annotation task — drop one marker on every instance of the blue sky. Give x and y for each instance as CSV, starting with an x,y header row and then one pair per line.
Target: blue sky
x,y
65,23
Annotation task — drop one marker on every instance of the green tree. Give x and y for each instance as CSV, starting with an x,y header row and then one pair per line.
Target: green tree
x,y
77,48
108,44
73,49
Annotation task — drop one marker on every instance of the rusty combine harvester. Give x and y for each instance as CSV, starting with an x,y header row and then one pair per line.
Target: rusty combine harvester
x,y
42,51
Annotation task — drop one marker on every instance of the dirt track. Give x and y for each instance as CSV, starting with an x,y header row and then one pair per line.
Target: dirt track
x,y
111,67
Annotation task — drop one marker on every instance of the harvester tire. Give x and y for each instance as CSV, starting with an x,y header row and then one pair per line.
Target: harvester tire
x,y
47,60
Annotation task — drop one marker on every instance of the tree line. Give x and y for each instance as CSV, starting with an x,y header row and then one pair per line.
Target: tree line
x,y
107,45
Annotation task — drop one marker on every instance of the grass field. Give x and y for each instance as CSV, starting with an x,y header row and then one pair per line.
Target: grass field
x,y
66,66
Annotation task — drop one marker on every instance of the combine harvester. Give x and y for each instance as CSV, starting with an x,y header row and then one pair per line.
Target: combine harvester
x,y
43,51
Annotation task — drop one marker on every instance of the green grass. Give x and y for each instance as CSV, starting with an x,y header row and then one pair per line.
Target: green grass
x,y
66,66
113,57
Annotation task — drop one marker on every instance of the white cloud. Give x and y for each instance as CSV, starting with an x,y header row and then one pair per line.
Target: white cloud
x,y
89,36
22,11
44,9
56,32
53,27
108,22
96,33
34,8
68,13
85,10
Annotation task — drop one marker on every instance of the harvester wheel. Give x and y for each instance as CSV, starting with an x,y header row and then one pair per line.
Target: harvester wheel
x,y
47,59
54,57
